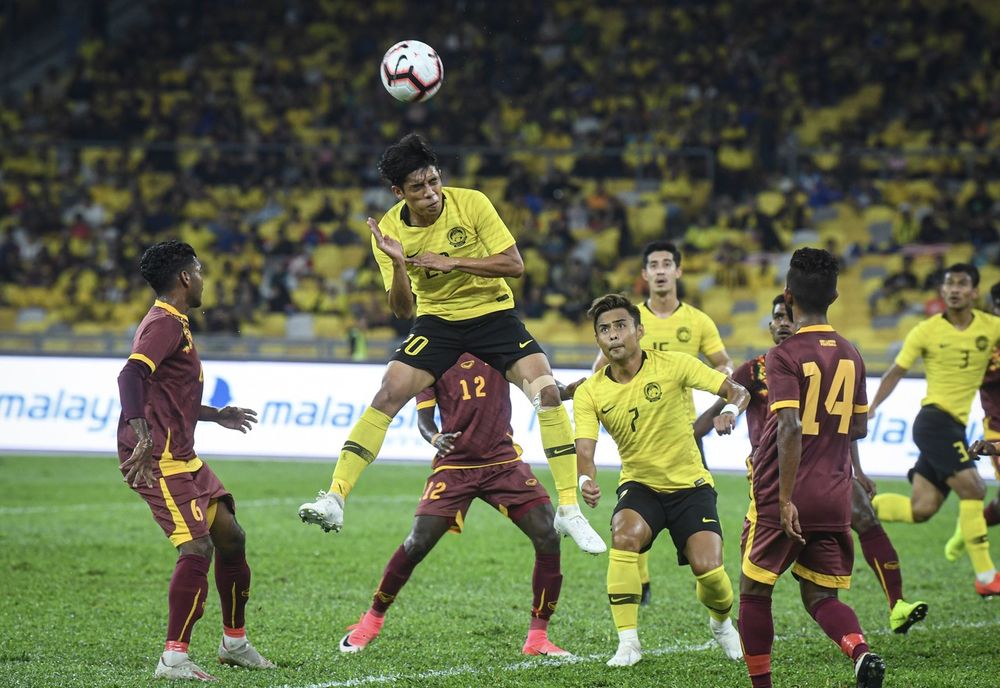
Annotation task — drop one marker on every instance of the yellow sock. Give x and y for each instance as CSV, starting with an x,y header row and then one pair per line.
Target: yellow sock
x,y
360,449
557,439
715,591
893,507
973,525
644,567
624,588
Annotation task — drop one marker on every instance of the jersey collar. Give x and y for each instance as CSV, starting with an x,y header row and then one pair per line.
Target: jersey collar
x,y
169,309
815,328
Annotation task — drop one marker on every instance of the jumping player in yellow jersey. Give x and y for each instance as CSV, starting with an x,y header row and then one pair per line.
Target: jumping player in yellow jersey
x,y
444,253
672,325
640,397
956,347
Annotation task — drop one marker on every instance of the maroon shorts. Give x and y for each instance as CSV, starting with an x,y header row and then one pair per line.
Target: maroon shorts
x,y
826,559
184,504
510,488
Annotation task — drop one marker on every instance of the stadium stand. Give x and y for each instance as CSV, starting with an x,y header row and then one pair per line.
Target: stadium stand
x,y
251,132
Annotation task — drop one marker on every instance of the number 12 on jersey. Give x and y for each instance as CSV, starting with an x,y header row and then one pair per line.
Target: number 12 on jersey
x,y
839,399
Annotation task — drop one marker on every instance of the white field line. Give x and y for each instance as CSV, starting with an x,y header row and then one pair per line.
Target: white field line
x,y
241,505
472,670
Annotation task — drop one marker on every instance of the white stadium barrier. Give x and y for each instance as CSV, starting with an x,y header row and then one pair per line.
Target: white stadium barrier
x,y
60,404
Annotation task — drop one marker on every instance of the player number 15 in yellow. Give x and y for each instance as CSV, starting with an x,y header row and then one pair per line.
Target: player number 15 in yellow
x,y
839,398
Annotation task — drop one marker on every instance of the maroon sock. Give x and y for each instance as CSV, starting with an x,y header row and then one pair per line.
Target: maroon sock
x,y
882,557
546,582
232,580
840,623
186,598
396,573
991,512
757,635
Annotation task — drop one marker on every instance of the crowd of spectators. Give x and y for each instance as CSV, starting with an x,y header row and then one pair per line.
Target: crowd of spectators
x,y
251,130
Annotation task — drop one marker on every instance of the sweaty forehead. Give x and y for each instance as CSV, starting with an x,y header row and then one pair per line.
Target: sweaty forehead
x,y
613,316
419,177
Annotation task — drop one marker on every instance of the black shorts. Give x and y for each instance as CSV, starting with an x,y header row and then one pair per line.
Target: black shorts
x,y
435,344
943,451
683,513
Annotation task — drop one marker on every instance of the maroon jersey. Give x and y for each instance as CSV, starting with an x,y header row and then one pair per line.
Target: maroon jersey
x,y
751,375
173,390
989,397
822,375
474,399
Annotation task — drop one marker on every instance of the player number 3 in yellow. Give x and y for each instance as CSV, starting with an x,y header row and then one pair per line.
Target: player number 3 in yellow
x,y
839,399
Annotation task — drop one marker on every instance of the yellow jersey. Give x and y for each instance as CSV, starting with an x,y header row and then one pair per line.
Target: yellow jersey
x,y
954,360
468,227
648,418
687,330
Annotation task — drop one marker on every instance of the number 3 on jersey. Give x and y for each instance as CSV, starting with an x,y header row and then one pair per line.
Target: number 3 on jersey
x,y
839,398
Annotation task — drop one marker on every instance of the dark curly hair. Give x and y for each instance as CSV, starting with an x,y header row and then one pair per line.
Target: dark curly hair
x,y
161,263
812,279
610,302
400,159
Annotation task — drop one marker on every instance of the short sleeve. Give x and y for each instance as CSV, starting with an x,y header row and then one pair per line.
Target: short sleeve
x,y
742,374
783,389
426,399
158,339
913,347
585,413
711,340
493,233
696,374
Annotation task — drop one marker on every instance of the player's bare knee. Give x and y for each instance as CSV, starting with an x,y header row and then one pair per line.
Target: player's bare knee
x,y
863,518
922,511
813,594
202,547
546,541
703,562
389,400
232,543
548,397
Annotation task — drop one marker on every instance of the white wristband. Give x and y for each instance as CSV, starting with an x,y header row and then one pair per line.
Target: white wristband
x,y
582,480
730,408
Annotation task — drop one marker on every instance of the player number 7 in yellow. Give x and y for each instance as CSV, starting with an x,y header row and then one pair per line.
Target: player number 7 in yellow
x,y
839,399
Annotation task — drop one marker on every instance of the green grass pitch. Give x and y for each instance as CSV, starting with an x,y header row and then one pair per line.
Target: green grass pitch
x,y
84,573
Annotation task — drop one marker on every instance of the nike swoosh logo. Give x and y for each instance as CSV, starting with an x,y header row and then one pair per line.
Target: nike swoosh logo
x,y
524,344
619,599
413,255
608,409
708,520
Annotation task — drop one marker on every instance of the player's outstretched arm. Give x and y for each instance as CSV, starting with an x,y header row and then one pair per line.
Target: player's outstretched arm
x,y
232,417
789,457
985,448
444,442
587,472
507,263
886,386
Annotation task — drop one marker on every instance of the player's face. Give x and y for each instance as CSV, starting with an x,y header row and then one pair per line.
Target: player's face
x,y
781,326
195,285
421,191
617,335
996,306
957,291
661,272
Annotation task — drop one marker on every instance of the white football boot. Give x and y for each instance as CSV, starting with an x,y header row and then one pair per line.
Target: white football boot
x,y
327,512
570,521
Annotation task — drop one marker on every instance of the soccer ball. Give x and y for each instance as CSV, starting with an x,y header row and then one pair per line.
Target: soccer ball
x,y
411,71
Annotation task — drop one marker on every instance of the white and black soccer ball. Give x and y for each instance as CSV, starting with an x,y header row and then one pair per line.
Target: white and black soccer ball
x,y
411,71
